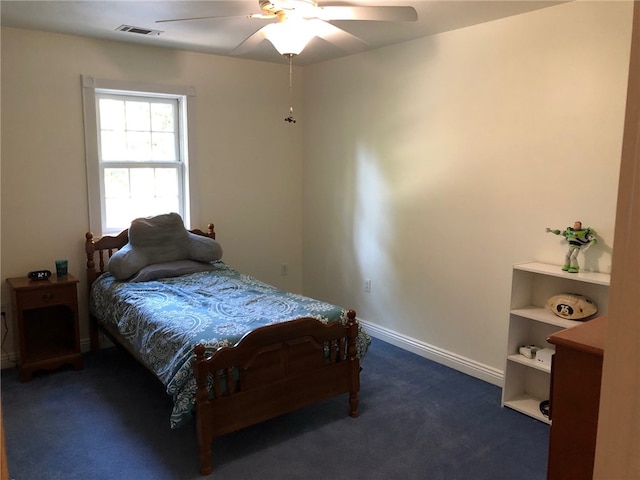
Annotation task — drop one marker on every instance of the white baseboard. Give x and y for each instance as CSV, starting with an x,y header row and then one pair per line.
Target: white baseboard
x,y
439,355
444,357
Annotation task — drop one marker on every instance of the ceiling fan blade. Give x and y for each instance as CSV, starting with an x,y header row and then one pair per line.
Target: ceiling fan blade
x,y
340,38
262,16
194,18
382,14
249,43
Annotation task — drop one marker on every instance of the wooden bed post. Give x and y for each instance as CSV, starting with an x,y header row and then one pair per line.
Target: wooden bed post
x,y
203,411
354,363
90,248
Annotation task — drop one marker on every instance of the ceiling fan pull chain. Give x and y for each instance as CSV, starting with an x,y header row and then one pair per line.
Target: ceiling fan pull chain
x,y
290,118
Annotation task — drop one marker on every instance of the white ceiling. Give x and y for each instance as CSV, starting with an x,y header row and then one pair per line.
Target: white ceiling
x,y
100,19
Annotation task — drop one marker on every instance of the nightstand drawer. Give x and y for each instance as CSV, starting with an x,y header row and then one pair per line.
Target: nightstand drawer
x,y
42,297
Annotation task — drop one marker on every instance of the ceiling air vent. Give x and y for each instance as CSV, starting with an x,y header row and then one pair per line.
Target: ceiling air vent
x,y
138,30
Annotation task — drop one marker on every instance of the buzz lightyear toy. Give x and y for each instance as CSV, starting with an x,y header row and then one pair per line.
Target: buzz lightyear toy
x,y
577,237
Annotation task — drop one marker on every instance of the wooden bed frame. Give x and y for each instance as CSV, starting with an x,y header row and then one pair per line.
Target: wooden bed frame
x,y
278,368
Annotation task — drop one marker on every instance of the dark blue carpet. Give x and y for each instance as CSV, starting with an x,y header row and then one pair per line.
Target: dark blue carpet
x,y
418,420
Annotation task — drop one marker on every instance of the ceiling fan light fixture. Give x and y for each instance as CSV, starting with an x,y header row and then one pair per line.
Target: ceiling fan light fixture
x,y
289,37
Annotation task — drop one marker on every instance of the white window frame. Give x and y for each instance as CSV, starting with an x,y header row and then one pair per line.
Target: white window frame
x,y
185,95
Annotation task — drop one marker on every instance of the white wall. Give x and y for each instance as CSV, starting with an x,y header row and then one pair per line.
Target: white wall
x,y
248,159
432,167
429,167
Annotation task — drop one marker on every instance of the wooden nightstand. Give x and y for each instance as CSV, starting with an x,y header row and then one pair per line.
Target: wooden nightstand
x,y
47,326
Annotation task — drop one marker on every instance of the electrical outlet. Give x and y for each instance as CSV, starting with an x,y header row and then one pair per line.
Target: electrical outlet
x,y
284,270
367,286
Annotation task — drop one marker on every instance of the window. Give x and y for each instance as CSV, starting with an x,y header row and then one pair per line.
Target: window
x,y
137,153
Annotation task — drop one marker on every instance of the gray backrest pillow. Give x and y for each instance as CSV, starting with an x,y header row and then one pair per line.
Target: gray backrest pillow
x,y
158,239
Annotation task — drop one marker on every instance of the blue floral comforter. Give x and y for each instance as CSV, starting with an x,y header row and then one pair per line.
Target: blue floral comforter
x,y
164,319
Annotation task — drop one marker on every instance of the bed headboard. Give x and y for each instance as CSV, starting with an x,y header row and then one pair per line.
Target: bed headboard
x,y
108,245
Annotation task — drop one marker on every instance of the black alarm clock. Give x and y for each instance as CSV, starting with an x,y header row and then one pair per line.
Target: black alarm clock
x,y
39,275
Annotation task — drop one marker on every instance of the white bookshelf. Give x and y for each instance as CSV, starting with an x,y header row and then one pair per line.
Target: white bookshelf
x,y
527,381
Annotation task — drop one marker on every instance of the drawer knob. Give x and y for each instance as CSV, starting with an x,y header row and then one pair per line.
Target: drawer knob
x,y
47,296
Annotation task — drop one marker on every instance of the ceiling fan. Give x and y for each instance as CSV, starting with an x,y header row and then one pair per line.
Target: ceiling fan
x,y
298,21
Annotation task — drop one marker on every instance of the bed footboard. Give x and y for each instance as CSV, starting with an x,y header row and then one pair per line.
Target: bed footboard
x,y
274,370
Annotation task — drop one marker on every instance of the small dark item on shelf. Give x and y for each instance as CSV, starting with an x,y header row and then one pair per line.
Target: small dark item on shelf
x,y
544,408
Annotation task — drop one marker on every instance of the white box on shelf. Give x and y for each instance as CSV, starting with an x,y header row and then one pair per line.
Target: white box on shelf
x,y
545,356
